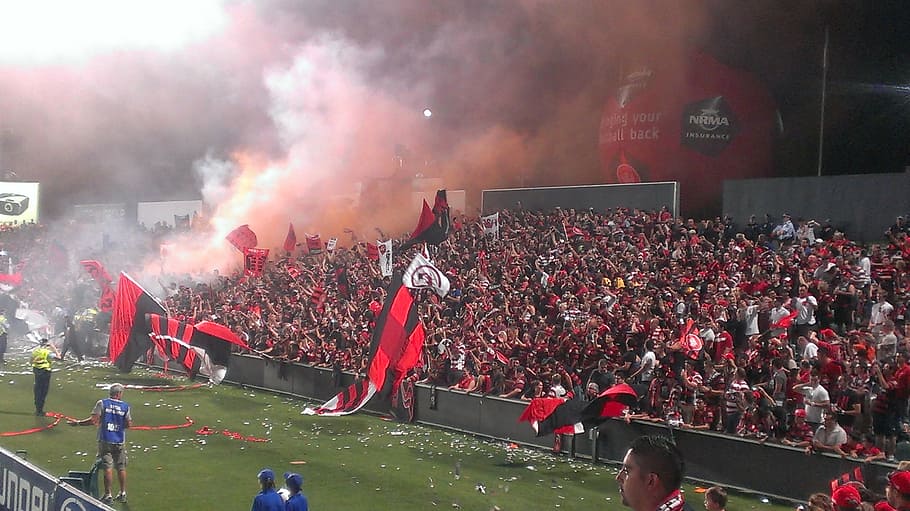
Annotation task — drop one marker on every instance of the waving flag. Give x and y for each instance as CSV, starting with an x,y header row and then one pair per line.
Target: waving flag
x,y
422,274
242,238
610,403
129,334
785,321
290,241
395,349
690,341
96,270
434,224
204,348
554,415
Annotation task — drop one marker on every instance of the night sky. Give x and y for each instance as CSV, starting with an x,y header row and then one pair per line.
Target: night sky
x,y
312,96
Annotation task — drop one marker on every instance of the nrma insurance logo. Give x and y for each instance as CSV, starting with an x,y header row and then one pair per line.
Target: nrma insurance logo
x,y
708,126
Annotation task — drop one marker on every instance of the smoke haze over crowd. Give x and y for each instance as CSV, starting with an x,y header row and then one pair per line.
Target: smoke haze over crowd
x,y
276,111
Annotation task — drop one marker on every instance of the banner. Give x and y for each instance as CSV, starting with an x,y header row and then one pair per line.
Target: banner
x,y
254,261
330,246
314,243
372,251
385,258
490,224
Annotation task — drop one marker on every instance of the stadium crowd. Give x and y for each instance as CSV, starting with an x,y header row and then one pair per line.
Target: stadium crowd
x,y
802,333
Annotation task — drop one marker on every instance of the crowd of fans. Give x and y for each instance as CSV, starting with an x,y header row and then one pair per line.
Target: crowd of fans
x,y
803,332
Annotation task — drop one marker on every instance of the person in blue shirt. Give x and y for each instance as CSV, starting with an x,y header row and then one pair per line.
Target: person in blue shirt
x,y
297,501
113,418
268,498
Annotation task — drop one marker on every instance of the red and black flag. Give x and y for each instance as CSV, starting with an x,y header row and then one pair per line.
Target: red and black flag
x,y
395,349
612,402
204,348
129,332
434,224
554,415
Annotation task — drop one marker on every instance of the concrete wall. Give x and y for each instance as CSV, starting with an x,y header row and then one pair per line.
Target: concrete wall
x,y
649,196
865,205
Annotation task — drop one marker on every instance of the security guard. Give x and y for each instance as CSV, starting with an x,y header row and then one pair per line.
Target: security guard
x,y
41,365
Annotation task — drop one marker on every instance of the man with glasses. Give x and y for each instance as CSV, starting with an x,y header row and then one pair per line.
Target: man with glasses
x,y
651,474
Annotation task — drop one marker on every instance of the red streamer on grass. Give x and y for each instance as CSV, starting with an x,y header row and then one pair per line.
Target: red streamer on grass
x,y
205,430
188,423
57,417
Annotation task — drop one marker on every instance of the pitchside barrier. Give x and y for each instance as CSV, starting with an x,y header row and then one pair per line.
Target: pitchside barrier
x,y
647,196
25,487
769,469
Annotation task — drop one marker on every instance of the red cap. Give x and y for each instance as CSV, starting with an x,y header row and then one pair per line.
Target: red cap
x,y
729,356
799,413
900,481
846,496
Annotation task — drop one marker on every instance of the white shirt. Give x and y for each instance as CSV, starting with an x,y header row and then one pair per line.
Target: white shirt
x,y
880,312
806,310
817,395
810,351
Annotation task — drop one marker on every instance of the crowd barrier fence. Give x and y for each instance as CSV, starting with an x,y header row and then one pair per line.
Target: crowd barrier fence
x,y
768,469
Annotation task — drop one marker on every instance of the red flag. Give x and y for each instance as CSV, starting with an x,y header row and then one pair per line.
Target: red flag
x,y
129,333
242,238
290,241
254,260
372,251
690,341
96,270
785,321
313,243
